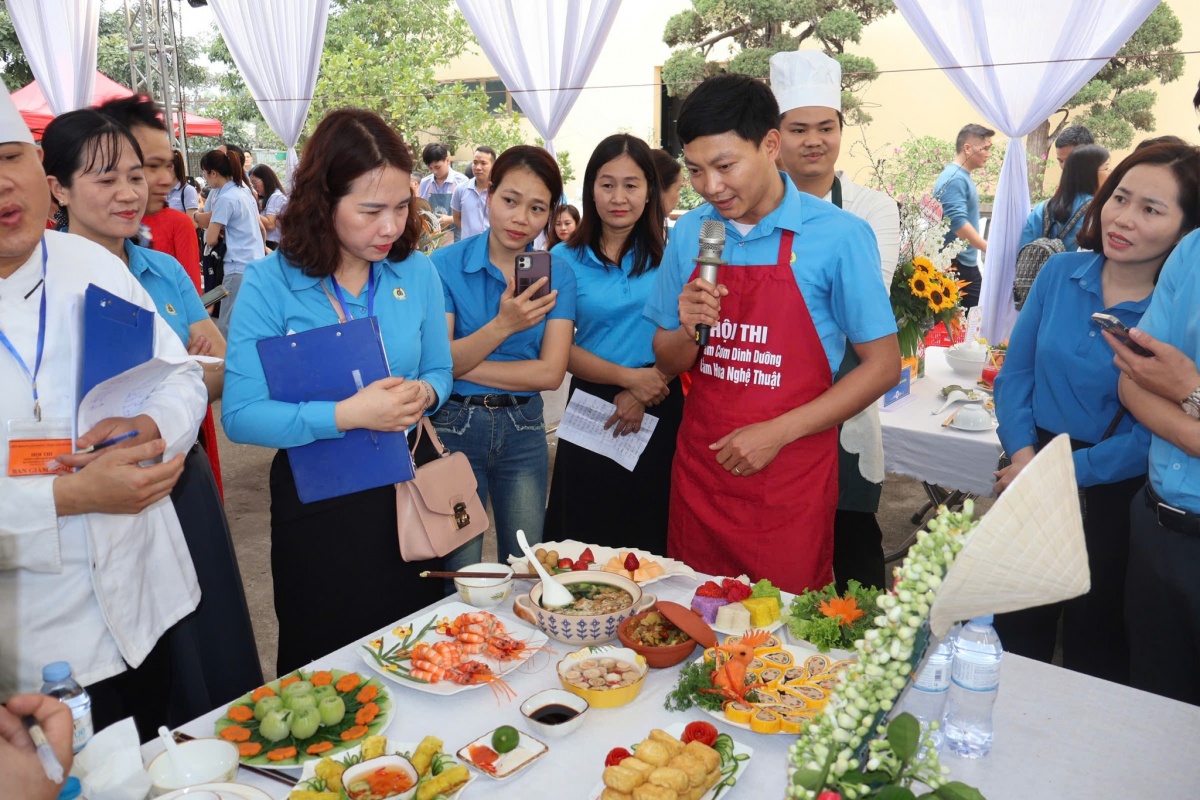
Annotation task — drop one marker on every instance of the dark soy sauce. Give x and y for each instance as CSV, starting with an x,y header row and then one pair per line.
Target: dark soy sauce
x,y
553,714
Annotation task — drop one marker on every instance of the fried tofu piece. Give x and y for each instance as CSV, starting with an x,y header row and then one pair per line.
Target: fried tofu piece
x,y
710,757
691,766
648,791
654,753
613,794
671,778
422,758
374,747
331,771
623,779
673,745
305,794
635,763
447,782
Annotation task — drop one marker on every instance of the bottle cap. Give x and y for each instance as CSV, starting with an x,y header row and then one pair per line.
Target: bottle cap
x,y
986,619
71,789
58,671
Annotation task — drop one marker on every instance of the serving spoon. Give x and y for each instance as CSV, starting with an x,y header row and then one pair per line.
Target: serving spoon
x,y
554,594
956,396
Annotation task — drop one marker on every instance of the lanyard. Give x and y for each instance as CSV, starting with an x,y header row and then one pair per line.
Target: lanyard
x,y
836,191
337,290
41,342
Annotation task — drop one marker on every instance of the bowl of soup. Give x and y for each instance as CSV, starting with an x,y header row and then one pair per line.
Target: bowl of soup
x,y
601,601
382,778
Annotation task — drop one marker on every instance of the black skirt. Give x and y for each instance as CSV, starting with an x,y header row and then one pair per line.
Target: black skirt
x,y
337,570
594,499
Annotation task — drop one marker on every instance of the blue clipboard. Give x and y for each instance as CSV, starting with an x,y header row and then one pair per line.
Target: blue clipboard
x,y
330,364
117,336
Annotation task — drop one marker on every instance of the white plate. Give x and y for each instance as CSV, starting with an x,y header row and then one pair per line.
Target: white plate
x,y
774,626
393,746
571,549
995,424
218,791
533,638
526,752
740,766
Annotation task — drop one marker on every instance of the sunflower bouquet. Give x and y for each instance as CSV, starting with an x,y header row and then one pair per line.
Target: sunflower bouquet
x,y
925,289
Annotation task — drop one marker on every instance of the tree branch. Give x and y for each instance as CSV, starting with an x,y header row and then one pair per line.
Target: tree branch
x,y
716,37
809,31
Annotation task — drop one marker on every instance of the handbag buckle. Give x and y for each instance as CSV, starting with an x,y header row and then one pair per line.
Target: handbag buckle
x,y
461,517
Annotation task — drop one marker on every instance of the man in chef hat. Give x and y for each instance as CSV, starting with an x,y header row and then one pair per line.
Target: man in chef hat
x,y
808,86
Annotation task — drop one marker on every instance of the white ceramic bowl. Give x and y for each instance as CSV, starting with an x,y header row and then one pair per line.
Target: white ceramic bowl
x,y
485,592
974,417
202,761
965,362
363,768
555,697
580,629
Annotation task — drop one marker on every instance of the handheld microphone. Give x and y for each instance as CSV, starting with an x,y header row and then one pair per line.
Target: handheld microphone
x,y
712,242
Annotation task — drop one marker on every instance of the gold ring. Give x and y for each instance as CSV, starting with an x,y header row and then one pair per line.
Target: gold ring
x,y
737,471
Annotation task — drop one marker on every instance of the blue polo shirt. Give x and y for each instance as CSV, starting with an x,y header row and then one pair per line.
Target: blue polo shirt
x,y
955,190
1037,218
236,210
608,307
1173,317
836,265
473,286
277,298
471,204
1059,372
173,292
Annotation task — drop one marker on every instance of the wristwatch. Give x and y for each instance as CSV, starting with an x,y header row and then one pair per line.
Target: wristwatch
x,y
1191,404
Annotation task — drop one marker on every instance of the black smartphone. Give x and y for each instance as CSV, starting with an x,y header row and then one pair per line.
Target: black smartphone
x,y
1119,329
530,267
208,299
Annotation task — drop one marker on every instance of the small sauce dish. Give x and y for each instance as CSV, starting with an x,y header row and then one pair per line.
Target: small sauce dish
x,y
554,713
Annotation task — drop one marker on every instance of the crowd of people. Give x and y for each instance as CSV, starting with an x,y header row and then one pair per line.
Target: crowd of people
x,y
766,457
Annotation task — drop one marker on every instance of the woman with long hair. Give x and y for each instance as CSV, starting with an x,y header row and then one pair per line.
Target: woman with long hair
x,y
670,180
508,347
566,220
1084,172
1059,378
348,251
183,195
615,253
271,201
234,215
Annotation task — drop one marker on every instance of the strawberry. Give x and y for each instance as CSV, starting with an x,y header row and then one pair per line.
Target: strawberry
x,y
586,556
631,562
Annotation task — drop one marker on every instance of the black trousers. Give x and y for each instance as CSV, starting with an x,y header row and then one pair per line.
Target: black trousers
x,y
857,550
970,292
337,570
1162,606
144,693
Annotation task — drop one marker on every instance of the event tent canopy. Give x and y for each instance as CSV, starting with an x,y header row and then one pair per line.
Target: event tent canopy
x,y
37,115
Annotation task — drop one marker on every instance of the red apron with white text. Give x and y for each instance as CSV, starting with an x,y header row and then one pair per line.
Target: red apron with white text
x,y
762,361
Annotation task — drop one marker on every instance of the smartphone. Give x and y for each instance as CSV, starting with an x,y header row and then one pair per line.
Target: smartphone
x,y
1119,329
531,267
211,298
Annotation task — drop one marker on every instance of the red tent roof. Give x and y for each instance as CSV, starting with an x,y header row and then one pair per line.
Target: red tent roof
x,y
37,115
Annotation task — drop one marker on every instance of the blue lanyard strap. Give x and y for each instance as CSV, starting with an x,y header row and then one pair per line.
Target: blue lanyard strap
x,y
337,290
41,342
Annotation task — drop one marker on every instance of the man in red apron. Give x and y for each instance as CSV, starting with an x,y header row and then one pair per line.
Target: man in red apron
x,y
754,482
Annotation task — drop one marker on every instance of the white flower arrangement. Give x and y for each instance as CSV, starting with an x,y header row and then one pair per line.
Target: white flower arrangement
x,y
825,756
923,232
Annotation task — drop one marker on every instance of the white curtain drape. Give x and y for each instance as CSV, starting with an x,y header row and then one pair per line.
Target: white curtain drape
x,y
1067,41
544,50
277,46
60,40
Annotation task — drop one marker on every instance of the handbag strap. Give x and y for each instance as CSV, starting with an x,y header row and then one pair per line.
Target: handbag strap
x,y
425,428
337,307
1112,426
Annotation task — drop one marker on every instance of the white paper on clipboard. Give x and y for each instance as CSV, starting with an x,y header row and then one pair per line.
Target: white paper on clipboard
x,y
583,425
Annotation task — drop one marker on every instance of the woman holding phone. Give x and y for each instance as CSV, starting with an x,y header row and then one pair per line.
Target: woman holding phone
x,y
509,345
615,253
1059,378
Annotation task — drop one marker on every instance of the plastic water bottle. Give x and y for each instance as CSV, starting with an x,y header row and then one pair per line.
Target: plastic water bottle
x,y
926,700
975,682
61,684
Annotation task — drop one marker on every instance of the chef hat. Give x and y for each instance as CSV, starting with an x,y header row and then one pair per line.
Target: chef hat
x,y
806,78
12,126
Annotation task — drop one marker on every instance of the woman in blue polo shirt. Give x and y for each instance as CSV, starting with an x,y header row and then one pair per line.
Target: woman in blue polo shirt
x,y
348,251
94,167
1086,168
1059,378
615,253
507,347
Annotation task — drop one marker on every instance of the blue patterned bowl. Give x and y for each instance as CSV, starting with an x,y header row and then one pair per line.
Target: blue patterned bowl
x,y
581,629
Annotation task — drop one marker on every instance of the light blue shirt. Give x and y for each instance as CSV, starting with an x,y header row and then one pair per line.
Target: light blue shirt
x,y
165,280
473,286
1174,317
471,204
1059,374
429,184
183,197
236,210
275,205
836,267
608,307
956,192
1037,219
277,298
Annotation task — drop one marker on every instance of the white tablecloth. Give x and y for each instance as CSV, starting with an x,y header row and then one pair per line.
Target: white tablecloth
x,y
1058,734
916,445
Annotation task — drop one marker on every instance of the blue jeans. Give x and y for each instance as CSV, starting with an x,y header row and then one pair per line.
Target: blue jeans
x,y
508,454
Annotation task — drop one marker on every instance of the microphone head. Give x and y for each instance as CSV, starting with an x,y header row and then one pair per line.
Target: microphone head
x,y
712,238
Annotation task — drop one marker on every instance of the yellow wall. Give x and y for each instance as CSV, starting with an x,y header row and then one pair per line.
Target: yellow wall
x,y
621,95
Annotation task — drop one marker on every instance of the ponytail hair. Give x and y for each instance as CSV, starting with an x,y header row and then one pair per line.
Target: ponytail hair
x,y
227,165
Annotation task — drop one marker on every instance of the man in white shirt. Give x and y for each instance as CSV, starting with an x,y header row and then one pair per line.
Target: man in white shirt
x,y
807,85
470,199
93,565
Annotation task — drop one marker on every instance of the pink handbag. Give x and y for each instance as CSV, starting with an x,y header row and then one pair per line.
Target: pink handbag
x,y
439,509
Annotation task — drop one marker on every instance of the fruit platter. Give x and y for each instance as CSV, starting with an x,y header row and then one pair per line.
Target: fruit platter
x,y
734,605
639,566
683,762
454,649
423,765
304,716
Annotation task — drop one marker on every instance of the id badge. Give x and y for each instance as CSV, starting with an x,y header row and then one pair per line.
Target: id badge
x,y
33,443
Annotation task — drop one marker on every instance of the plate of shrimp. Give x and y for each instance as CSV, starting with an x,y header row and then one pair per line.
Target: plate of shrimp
x,y
452,649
